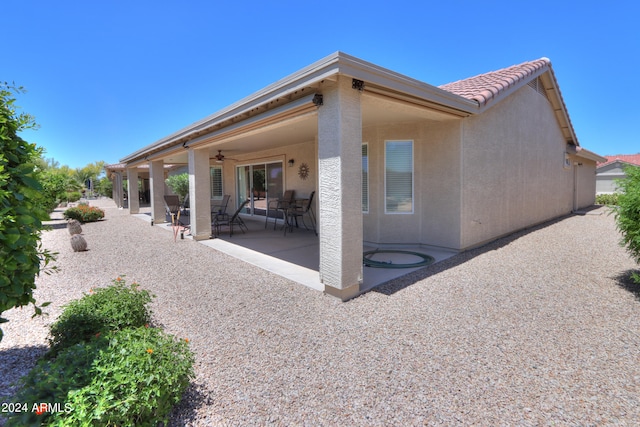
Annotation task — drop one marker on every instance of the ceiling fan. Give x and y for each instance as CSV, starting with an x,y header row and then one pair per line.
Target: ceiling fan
x,y
219,157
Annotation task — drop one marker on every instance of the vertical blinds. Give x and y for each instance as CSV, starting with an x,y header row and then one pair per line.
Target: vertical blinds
x,y
365,178
399,176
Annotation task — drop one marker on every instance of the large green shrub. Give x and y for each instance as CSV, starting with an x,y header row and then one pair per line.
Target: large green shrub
x,y
136,381
179,184
116,370
21,209
84,213
627,213
103,310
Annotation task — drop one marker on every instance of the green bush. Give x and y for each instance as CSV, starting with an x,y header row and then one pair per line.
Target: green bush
x,y
131,377
21,209
627,213
84,213
179,184
73,196
136,380
128,375
51,380
607,199
105,309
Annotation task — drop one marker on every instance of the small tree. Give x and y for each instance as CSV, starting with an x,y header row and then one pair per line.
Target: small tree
x,y
179,184
627,213
21,208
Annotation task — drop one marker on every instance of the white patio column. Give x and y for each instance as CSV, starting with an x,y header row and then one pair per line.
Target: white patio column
x,y
199,193
340,189
156,182
134,194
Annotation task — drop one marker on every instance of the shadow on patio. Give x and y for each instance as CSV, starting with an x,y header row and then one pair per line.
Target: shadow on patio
x,y
296,255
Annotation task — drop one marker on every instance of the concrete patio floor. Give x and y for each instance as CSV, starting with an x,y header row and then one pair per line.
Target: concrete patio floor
x,y
296,255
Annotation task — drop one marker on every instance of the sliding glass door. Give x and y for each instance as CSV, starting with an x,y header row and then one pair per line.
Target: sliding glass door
x,y
259,182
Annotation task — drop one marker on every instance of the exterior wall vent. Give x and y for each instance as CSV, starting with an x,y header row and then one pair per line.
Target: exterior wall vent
x,y
536,84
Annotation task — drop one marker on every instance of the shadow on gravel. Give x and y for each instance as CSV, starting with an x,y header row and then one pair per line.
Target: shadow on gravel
x,y
626,282
186,412
55,225
16,362
396,285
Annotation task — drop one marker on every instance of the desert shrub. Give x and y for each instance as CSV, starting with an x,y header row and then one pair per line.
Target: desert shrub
x,y
118,372
135,382
84,213
51,380
73,196
105,309
627,213
607,199
130,377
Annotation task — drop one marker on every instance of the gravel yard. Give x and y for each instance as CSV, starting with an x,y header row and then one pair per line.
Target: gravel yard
x,y
538,328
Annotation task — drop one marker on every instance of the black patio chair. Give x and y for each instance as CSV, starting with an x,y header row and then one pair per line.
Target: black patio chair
x,y
300,211
221,220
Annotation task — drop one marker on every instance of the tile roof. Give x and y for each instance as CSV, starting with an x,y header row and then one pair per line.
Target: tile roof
x,y
485,87
633,159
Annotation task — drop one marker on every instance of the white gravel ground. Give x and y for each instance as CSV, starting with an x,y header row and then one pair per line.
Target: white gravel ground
x,y
535,329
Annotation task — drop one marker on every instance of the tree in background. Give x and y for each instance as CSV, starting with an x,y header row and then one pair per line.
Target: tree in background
x,y
179,184
21,208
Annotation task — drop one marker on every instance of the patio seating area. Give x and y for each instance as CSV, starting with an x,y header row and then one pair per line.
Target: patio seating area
x,y
296,254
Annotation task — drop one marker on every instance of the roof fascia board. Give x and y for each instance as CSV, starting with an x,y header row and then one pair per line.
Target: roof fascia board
x,y
380,77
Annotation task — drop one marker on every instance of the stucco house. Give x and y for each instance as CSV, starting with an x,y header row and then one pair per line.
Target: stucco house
x,y
392,160
612,169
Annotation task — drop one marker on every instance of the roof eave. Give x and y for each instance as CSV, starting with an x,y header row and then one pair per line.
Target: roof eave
x,y
337,63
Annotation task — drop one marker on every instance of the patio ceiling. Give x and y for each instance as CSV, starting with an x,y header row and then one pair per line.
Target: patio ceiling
x,y
377,110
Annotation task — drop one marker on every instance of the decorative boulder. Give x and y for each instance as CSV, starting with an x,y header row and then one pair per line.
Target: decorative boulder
x,y
78,243
74,227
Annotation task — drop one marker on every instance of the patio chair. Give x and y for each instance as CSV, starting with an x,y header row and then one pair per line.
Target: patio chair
x,y
224,219
220,206
173,208
300,211
279,205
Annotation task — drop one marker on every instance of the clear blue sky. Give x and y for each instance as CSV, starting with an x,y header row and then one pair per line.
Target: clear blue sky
x,y
107,77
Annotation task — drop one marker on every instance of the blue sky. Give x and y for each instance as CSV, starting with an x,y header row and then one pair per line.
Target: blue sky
x,y
105,78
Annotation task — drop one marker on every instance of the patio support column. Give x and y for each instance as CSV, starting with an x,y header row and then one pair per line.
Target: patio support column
x,y
116,193
156,182
199,193
134,194
340,189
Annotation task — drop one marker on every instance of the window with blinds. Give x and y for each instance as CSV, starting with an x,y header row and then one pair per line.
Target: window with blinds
x,y
398,176
216,182
365,178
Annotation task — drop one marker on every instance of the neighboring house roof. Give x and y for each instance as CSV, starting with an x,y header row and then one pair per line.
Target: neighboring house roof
x,y
489,88
632,159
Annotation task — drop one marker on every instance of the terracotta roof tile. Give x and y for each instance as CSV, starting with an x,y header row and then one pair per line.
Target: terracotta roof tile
x,y
485,87
633,159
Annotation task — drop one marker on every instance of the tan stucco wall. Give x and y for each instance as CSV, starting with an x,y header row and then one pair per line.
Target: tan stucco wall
x,y
436,217
586,182
513,169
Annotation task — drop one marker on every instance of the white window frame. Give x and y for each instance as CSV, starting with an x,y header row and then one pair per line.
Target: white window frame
x,y
387,143
365,179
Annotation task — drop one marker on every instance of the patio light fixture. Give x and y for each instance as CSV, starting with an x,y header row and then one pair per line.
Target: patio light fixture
x,y
291,162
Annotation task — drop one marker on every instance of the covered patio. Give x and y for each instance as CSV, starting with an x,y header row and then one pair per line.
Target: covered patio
x,y
296,255
302,133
